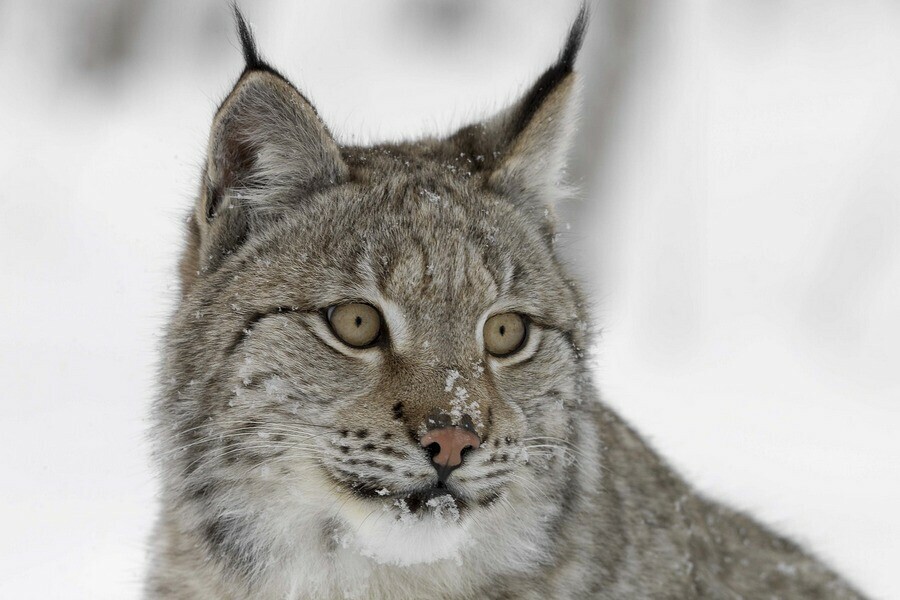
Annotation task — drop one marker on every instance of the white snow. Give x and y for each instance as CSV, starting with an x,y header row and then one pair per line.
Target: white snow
x,y
406,516
246,370
478,369
450,381
444,508
431,196
275,386
460,404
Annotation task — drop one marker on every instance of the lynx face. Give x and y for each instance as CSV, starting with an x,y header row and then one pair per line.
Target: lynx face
x,y
375,343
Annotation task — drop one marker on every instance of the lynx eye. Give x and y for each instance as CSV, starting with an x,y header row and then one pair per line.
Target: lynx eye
x,y
355,324
504,333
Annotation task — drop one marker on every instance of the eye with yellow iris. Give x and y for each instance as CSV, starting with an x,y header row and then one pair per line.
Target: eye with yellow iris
x,y
356,324
505,334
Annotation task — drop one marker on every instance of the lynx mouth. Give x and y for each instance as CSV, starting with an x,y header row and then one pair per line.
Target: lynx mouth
x,y
419,501
436,499
422,500
436,496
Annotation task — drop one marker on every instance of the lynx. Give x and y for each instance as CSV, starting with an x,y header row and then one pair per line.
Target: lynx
x,y
374,384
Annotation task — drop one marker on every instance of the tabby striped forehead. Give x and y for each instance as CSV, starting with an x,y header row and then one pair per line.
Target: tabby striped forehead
x,y
416,272
440,245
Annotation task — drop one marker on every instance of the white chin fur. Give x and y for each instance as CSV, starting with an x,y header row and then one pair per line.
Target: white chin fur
x,y
394,535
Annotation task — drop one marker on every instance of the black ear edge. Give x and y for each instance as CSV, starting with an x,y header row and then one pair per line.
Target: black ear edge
x,y
552,77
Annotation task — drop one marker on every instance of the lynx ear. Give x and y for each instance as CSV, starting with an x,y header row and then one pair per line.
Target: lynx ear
x,y
523,149
266,140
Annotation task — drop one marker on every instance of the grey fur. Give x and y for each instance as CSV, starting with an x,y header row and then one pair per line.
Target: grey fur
x,y
290,466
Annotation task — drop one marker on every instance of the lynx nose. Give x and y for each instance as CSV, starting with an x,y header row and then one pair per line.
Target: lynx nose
x,y
446,446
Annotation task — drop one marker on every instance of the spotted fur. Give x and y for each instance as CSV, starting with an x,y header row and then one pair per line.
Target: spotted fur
x,y
290,462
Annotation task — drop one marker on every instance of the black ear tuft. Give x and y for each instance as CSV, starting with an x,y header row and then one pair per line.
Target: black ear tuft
x,y
248,44
564,66
576,38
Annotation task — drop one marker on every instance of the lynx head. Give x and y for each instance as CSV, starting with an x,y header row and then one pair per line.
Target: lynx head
x,y
375,344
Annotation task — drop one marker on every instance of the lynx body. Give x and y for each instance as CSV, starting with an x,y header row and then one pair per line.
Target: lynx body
x,y
411,461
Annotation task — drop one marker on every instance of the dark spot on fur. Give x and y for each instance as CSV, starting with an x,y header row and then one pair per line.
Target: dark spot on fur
x,y
492,474
245,331
330,531
213,199
355,481
361,433
398,411
248,325
231,450
345,449
387,435
414,503
255,459
226,541
466,423
344,432
413,437
202,491
368,447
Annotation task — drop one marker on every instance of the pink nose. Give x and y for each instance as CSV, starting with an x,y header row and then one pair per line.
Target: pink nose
x,y
451,442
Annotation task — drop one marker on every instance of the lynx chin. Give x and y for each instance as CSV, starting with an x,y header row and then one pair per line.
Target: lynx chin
x,y
374,387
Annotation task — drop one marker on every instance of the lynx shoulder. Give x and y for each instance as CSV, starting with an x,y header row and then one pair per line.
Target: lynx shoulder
x,y
374,386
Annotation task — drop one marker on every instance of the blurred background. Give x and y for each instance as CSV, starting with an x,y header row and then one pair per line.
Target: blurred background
x,y
738,225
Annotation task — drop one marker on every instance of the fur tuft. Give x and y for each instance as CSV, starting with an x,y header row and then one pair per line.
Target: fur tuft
x,y
248,44
252,59
553,76
575,39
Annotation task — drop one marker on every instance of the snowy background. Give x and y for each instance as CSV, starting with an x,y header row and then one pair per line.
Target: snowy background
x,y
739,226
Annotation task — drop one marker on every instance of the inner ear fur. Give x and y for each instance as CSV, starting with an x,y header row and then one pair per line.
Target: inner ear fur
x,y
268,135
267,149
532,166
523,149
